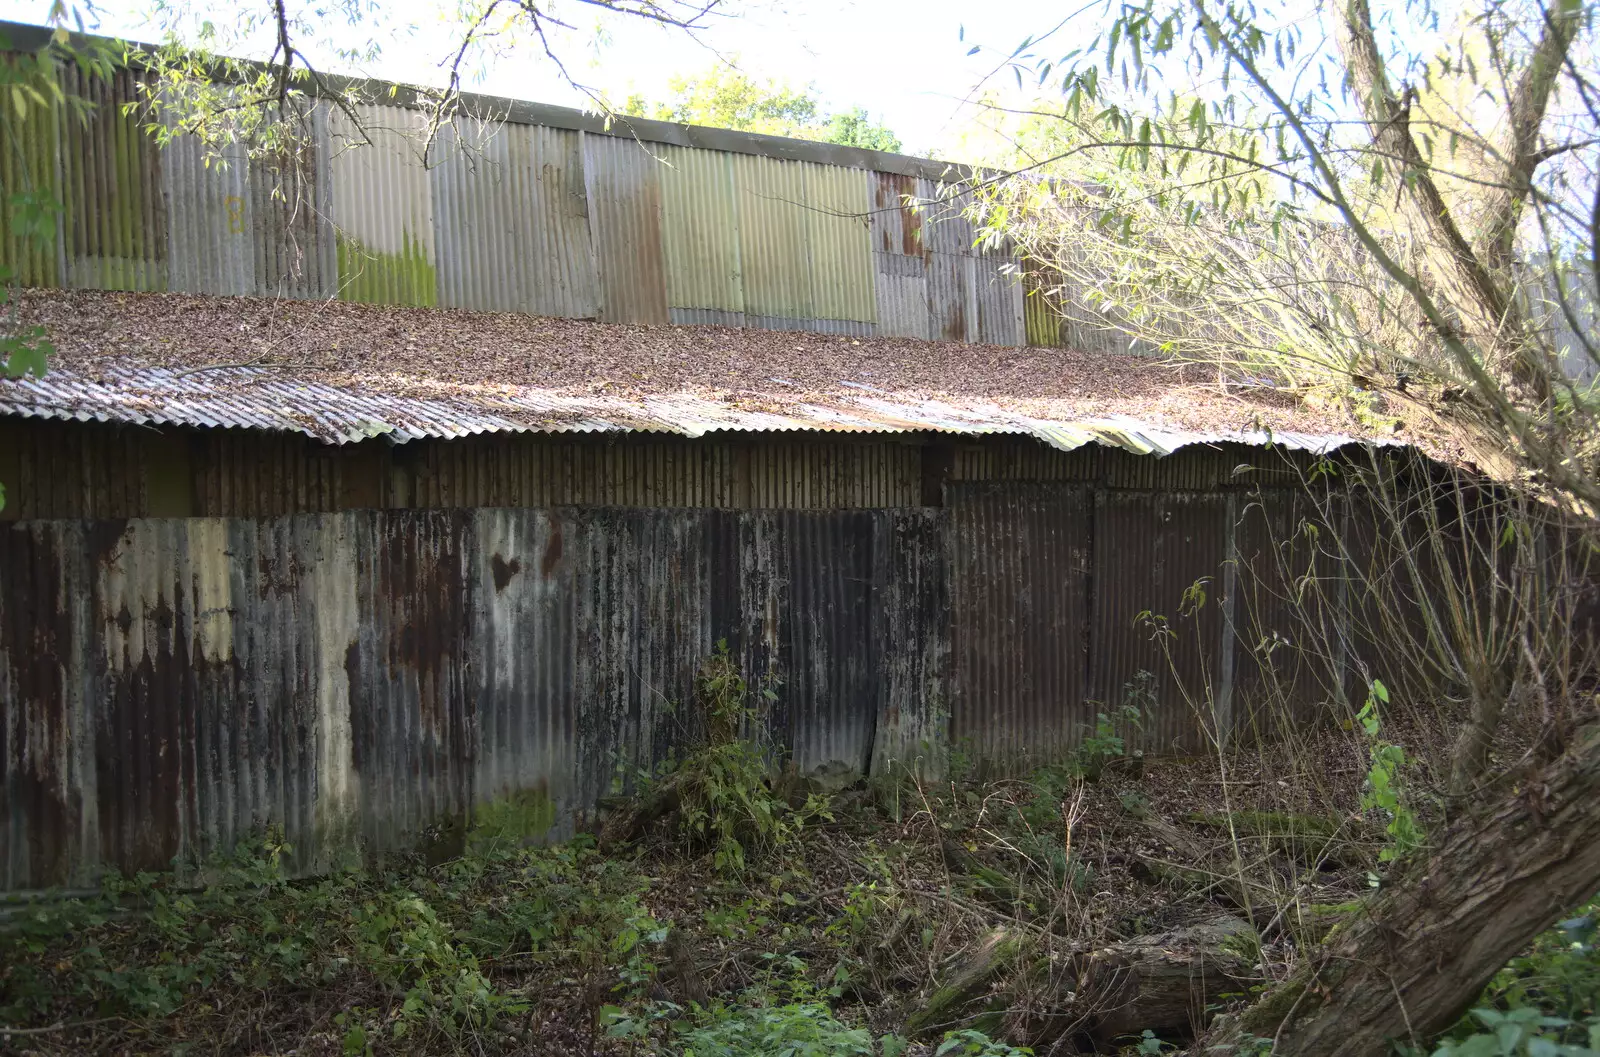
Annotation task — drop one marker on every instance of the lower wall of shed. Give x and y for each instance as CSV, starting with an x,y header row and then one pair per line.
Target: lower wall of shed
x,y
359,677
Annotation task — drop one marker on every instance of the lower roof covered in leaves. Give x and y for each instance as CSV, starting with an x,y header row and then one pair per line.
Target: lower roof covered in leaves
x,y
342,372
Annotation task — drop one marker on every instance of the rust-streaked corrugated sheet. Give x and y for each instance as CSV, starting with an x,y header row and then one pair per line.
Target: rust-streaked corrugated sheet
x,y
171,685
623,182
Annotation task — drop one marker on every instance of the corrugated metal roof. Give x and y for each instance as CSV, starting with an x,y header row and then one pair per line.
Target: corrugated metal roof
x,y
343,411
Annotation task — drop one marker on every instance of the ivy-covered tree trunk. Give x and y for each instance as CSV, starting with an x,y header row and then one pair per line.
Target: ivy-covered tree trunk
x,y
1419,954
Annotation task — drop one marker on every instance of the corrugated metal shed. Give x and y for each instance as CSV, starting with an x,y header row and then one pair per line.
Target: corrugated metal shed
x,y
259,398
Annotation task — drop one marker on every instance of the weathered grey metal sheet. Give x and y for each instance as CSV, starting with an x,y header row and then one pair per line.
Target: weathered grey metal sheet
x,y
209,226
951,297
622,182
291,217
1020,598
511,220
998,301
902,291
1150,551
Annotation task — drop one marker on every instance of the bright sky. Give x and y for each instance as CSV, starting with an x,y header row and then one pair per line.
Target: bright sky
x,y
904,60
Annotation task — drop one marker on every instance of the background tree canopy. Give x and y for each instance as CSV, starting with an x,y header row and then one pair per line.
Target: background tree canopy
x,y
724,97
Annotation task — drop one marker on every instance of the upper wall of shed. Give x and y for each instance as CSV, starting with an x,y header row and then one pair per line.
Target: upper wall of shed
x,y
96,470
547,211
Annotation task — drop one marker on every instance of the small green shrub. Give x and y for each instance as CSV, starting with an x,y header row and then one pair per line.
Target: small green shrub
x,y
1385,782
973,1043
802,1029
727,804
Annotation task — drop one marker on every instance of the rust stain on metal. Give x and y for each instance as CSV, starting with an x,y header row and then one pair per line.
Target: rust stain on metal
x,y
552,553
504,570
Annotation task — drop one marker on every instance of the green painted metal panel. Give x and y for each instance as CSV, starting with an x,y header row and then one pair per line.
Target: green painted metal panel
x,y
700,230
773,237
28,165
840,243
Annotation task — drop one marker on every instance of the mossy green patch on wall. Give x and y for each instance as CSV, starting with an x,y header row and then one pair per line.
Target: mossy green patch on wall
x,y
378,278
520,819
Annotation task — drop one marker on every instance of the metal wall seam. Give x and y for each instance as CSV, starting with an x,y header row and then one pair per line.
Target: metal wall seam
x,y
700,235
622,184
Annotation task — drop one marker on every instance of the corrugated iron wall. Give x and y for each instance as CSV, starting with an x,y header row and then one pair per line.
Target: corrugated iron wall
x,y
509,217
171,684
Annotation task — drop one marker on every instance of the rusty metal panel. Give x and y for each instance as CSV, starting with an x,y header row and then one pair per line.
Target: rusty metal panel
x,y
901,285
896,221
839,244
210,222
48,828
291,218
1020,603
1150,551
115,218
382,206
700,232
998,296
410,717
623,185
511,220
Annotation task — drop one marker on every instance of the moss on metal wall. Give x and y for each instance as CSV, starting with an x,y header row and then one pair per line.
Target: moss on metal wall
x,y
374,277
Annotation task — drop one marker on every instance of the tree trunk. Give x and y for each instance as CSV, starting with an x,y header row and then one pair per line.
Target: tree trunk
x,y
1423,951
